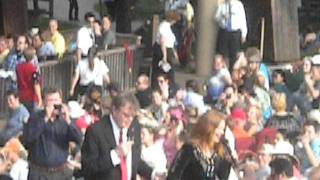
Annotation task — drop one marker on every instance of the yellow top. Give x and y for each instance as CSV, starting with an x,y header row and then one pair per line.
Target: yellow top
x,y
3,55
59,44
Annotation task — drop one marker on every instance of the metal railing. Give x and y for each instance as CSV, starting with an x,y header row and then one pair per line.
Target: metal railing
x,y
59,74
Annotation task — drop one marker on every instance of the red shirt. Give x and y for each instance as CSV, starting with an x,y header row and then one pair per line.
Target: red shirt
x,y
26,77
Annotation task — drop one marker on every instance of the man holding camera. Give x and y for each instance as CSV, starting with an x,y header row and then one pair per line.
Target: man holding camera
x,y
46,136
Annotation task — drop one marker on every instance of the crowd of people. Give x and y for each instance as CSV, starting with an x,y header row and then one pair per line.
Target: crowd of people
x,y
250,121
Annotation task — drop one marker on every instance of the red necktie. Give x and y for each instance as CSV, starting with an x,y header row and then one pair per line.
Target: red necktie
x,y
123,163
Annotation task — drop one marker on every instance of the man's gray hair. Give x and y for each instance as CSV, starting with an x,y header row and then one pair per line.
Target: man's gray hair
x,y
123,98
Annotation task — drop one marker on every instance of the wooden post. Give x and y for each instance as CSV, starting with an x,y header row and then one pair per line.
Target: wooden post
x,y
206,42
13,16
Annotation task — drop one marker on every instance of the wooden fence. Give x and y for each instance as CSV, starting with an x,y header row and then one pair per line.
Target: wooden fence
x,y
59,74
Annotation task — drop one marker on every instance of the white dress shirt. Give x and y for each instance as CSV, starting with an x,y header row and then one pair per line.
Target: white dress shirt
x,y
114,157
238,16
166,33
85,39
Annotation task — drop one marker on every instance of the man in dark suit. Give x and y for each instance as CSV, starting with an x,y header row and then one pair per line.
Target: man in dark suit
x,y
112,146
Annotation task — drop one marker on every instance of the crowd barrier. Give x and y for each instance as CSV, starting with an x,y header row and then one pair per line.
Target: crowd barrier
x,y
59,74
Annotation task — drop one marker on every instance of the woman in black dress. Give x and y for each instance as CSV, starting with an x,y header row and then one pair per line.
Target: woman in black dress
x,y
203,157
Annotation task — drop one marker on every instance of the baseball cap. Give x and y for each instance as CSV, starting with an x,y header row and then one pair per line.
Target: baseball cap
x,y
238,114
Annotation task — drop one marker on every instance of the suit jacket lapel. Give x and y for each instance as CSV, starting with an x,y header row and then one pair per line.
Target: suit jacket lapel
x,y
108,131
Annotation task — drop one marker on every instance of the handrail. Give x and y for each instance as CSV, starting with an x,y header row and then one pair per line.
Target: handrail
x,y
59,74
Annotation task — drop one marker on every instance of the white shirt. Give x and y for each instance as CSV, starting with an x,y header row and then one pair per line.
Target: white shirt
x,y
114,157
154,156
238,16
85,39
166,33
19,170
100,70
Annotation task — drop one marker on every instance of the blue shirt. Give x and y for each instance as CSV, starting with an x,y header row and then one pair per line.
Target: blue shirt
x,y
47,49
315,147
14,58
15,122
48,142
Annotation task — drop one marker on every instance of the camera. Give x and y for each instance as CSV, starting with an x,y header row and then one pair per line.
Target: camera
x,y
57,107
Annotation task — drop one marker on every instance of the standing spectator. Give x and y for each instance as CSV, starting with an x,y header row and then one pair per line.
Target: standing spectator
x,y
231,18
16,57
17,117
85,37
109,37
112,146
4,50
164,53
28,80
91,72
46,136
203,157
73,7
239,119
45,50
57,39
143,91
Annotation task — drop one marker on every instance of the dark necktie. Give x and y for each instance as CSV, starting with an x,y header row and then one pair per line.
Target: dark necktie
x,y
123,163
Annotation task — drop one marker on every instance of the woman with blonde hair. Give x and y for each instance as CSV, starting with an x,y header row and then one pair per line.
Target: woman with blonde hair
x,y
281,119
203,157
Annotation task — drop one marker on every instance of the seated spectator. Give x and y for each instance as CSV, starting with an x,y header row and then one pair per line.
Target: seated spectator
x,y
28,80
255,120
94,96
168,88
10,41
57,39
109,37
150,149
227,99
45,50
193,98
238,119
310,45
281,168
159,106
308,97
256,67
143,91
279,86
311,145
4,50
16,57
219,79
17,117
264,159
113,89
19,167
262,97
281,119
